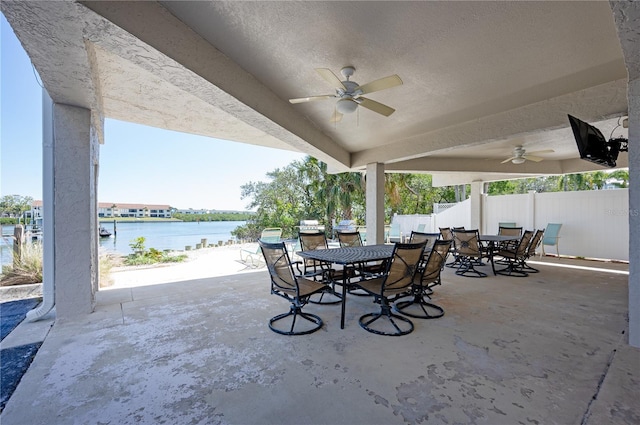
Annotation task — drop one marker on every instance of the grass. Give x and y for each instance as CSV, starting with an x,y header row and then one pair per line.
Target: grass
x,y
28,268
25,269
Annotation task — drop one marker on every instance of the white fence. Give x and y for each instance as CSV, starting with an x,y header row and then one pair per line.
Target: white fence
x,y
595,224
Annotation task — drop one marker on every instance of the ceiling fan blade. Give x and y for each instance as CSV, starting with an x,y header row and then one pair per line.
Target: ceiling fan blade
x,y
336,117
532,158
376,106
311,98
381,84
331,78
508,160
539,152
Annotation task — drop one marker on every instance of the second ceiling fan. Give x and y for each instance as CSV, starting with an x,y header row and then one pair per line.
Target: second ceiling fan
x,y
520,155
349,93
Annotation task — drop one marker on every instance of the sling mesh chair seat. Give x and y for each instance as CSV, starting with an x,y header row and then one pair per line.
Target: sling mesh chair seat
x,y
294,288
469,252
515,256
531,251
429,238
395,283
319,270
446,234
511,245
428,276
349,239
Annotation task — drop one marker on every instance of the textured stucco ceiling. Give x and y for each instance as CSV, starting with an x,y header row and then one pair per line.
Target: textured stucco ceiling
x,y
479,77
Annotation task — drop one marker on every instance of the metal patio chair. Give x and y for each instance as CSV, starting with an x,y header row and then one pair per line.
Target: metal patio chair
x,y
318,270
469,252
294,288
514,256
428,276
531,251
395,283
429,239
551,237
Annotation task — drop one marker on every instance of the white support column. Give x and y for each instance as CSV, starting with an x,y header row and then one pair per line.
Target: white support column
x,y
75,211
375,203
634,213
627,15
530,224
477,188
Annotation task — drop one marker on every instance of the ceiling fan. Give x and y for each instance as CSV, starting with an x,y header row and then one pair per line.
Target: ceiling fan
x,y
349,93
520,155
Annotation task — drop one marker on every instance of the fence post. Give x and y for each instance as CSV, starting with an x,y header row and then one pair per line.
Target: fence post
x,y
18,240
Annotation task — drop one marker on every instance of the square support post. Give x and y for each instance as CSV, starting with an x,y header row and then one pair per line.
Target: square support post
x,y
375,203
75,158
634,213
477,189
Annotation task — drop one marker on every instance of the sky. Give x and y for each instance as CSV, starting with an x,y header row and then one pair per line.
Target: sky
x,y
138,164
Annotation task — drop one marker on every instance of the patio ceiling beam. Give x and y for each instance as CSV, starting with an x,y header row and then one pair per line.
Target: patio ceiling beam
x,y
596,103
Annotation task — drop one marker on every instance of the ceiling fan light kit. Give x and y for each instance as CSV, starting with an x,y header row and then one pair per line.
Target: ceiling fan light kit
x,y
346,105
349,93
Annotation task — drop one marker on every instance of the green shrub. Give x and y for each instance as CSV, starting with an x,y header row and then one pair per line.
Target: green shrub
x,y
143,256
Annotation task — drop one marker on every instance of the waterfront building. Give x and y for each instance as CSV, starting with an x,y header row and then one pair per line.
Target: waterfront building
x,y
115,210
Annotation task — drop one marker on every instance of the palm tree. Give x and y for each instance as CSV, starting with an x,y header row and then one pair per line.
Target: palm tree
x,y
336,192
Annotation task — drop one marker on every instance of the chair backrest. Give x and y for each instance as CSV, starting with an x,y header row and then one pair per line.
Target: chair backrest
x,y
271,234
551,234
311,241
394,233
349,239
510,231
363,233
535,242
403,266
429,239
446,233
467,242
279,266
435,261
523,244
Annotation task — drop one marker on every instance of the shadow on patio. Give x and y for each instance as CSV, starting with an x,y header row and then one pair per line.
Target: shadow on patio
x,y
549,348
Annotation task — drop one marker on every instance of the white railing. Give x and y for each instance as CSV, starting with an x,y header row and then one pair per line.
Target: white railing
x,y
438,208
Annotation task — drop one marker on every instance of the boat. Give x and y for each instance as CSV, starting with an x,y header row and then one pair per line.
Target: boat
x,y
104,233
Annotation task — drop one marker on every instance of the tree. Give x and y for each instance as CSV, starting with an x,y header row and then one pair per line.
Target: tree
x,y
15,205
622,176
281,202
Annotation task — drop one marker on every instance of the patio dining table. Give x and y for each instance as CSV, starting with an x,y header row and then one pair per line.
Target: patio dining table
x,y
348,257
491,241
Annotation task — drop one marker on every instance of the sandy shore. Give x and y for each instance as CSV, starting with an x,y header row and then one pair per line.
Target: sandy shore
x,y
203,263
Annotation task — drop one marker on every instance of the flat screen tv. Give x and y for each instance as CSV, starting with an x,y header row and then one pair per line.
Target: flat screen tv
x,y
592,145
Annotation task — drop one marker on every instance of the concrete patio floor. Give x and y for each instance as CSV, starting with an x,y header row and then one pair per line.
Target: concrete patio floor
x,y
547,349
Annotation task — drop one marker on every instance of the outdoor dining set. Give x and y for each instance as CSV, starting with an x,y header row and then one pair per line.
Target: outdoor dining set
x,y
398,276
